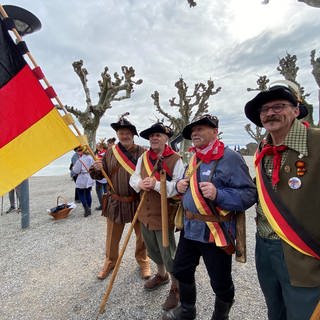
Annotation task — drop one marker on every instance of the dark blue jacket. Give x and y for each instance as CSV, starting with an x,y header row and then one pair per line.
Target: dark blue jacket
x,y
235,191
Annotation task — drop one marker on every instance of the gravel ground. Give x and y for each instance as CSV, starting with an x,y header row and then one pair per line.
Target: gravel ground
x,y
48,271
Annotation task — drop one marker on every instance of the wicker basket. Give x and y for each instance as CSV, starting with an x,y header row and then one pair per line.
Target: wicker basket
x,y
62,213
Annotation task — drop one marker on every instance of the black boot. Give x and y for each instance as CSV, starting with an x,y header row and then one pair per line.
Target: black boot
x,y
87,211
187,309
221,309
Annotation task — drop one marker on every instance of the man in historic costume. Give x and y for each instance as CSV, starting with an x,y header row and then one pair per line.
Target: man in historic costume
x,y
146,178
122,201
216,185
288,220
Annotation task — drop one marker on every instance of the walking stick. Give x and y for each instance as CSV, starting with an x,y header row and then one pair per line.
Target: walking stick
x,y
123,249
1,205
316,313
164,208
117,266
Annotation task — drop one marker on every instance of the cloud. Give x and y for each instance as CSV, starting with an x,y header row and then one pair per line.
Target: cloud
x,y
230,42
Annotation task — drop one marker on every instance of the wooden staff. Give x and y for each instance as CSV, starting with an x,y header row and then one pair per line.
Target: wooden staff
x,y
164,208
123,249
117,266
316,313
241,247
61,106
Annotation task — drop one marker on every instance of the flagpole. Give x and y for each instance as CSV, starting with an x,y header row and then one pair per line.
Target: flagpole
x,y
61,106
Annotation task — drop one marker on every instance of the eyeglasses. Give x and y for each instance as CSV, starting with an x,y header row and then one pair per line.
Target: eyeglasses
x,y
276,108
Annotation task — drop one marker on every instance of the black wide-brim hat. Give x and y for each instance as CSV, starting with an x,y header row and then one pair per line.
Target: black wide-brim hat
x,y
207,119
156,128
124,123
252,108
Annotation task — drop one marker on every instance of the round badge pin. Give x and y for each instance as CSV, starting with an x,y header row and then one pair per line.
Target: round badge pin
x,y
294,183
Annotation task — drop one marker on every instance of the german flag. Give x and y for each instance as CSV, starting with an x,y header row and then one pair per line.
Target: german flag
x,y
32,131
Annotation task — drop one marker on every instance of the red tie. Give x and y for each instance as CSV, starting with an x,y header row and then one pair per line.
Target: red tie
x,y
276,151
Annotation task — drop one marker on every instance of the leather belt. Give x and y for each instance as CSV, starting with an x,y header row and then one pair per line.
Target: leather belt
x,y
123,199
206,218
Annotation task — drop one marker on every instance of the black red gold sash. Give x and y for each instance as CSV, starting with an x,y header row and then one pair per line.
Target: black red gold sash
x,y
281,219
217,234
149,165
124,159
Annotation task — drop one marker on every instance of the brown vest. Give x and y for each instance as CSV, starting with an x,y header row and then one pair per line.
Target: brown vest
x,y
118,211
304,204
150,214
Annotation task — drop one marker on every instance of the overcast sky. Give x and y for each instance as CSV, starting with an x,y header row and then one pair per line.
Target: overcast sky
x,y
231,42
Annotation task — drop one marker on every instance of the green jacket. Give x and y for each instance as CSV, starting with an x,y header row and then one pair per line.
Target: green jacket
x,y
304,204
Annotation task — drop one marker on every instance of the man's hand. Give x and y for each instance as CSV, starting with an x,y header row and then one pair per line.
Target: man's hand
x,y
147,184
183,185
208,190
98,164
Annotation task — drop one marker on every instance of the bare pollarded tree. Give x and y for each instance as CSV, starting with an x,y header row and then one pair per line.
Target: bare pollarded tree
x,y
258,133
192,3
289,69
190,106
111,89
315,63
311,3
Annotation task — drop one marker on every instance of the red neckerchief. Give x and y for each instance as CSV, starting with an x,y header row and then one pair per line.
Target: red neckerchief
x,y
276,151
306,124
167,152
213,151
101,153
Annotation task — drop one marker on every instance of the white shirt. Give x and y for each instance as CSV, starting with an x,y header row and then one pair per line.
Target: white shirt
x,y
84,180
171,185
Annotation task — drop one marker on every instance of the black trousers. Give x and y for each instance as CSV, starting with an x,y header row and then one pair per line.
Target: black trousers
x,y
217,262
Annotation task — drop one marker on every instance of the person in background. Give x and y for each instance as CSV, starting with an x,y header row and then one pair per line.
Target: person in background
x,y
74,176
217,185
121,200
12,199
111,142
84,182
159,155
101,185
288,212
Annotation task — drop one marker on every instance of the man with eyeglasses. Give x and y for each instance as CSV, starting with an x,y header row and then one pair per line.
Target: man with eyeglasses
x,y
215,186
287,166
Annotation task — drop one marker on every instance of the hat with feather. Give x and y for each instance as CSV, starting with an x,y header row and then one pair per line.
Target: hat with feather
x,y
124,123
158,127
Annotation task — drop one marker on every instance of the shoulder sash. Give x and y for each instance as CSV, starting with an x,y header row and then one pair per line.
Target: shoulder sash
x,y
216,232
124,159
149,165
281,219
